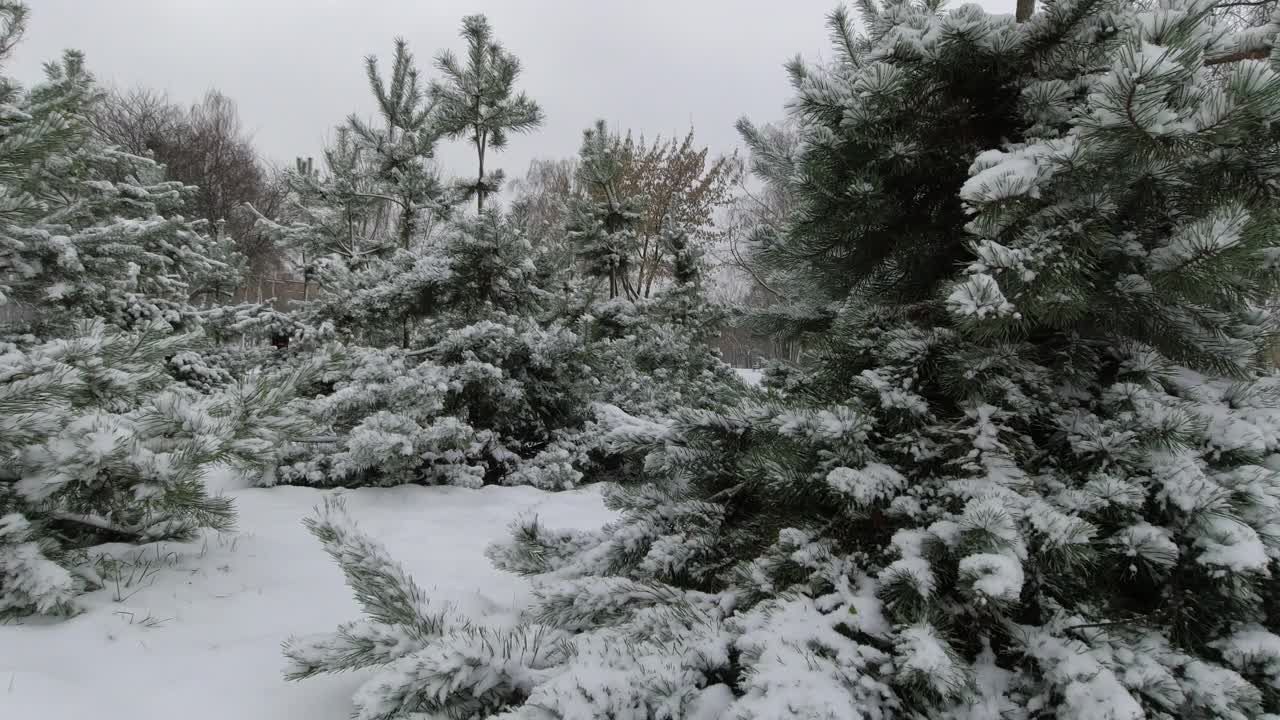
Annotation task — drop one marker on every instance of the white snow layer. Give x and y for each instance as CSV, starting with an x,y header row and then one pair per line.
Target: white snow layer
x,y
197,632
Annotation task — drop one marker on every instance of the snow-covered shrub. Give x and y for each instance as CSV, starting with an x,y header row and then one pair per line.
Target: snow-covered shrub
x,y
656,354
507,399
505,374
247,338
435,660
99,444
193,368
90,230
1030,469
472,408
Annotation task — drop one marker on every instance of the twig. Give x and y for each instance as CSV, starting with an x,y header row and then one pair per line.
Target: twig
x,y
742,263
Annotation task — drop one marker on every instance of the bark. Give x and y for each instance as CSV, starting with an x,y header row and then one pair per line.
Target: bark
x,y
1025,9
1255,54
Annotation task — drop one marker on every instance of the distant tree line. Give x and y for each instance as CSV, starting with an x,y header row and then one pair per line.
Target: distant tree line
x,y
205,145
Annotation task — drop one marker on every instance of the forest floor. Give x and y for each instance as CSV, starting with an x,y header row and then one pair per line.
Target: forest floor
x,y
193,630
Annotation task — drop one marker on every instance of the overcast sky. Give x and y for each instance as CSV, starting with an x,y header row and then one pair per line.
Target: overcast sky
x,y
294,66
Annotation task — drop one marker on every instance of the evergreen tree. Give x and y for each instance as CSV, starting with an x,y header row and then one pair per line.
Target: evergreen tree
x,y
98,442
360,227
100,445
94,231
478,100
404,148
1030,470
334,211
601,223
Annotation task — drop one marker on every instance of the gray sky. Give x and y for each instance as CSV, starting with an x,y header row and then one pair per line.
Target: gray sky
x,y
294,66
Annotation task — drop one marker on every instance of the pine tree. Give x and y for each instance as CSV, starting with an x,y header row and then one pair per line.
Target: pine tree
x,y
601,223
94,231
100,445
333,211
98,442
1029,468
404,148
360,226
478,100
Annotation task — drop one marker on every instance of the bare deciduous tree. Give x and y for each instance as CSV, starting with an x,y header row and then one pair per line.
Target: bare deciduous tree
x,y
761,205
137,120
538,206
206,146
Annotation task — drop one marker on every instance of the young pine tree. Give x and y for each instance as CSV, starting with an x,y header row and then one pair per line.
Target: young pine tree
x,y
478,100
601,223
401,152
1030,470
360,225
98,442
95,231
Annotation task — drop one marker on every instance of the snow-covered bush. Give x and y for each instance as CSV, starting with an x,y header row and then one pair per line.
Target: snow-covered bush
x,y
99,444
1041,485
655,354
501,384
506,399
472,408
247,338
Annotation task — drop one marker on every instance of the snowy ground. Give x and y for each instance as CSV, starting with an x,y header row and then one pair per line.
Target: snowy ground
x,y
196,633
749,376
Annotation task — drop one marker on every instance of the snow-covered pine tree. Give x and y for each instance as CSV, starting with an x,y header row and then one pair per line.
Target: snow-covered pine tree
x,y
93,231
246,338
360,227
501,383
477,99
402,151
506,379
601,223
331,211
1043,485
98,443
657,353
499,400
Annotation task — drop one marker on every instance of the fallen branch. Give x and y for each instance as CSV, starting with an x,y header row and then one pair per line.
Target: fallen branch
x,y
95,521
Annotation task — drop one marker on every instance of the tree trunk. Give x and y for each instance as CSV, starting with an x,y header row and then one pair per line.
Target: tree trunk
x,y
480,138
480,182
1024,11
406,224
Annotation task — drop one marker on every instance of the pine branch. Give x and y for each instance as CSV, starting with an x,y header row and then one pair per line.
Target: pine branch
x,y
1261,53
94,521
139,532
742,263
